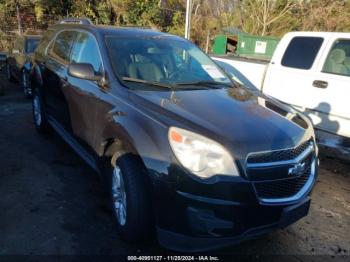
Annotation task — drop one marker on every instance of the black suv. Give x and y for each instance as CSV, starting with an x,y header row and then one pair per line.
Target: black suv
x,y
19,60
185,152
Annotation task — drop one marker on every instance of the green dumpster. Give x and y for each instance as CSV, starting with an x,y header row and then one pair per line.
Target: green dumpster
x,y
260,47
257,46
220,42
224,44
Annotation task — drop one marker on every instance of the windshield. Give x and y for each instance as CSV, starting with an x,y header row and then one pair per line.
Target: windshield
x,y
164,60
32,43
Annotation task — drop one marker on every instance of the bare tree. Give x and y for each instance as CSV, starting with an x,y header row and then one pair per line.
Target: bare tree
x,y
265,12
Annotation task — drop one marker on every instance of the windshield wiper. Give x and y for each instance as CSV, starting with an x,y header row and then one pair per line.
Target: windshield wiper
x,y
136,80
204,83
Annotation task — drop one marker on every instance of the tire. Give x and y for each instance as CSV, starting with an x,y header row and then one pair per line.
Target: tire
x,y
8,73
24,81
39,115
135,222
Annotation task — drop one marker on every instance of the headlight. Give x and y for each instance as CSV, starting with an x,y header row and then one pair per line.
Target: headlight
x,y
200,155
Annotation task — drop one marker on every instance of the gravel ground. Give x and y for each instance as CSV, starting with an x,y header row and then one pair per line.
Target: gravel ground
x,y
52,203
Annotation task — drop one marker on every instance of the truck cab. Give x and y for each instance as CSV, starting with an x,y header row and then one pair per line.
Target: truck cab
x,y
311,72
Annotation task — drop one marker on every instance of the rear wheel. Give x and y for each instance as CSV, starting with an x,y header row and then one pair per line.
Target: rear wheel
x,y
131,199
39,116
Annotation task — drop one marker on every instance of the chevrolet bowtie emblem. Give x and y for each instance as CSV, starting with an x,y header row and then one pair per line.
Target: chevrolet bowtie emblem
x,y
297,169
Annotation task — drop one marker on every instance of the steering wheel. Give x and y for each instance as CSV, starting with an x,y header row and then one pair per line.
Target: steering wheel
x,y
175,73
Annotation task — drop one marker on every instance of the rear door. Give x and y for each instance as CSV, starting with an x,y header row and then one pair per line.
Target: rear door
x,y
56,75
81,94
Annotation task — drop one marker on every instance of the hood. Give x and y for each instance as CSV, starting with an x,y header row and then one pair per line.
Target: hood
x,y
242,121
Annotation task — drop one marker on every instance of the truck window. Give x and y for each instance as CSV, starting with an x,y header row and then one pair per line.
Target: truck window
x,y
338,59
301,52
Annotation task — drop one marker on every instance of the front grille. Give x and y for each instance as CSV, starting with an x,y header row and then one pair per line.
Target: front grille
x,y
283,188
278,155
278,175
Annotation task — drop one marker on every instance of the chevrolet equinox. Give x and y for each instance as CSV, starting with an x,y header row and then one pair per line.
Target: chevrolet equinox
x,y
187,154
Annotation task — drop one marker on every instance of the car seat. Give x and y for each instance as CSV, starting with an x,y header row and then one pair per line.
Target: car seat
x,y
146,69
335,62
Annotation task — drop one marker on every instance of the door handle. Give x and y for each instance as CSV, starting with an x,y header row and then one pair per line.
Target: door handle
x,y
320,84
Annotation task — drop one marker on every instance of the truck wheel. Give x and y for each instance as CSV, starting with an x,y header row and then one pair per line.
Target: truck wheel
x,y
25,84
9,74
130,199
39,116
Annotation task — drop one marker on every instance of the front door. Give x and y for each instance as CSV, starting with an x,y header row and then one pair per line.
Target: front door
x,y
331,84
82,95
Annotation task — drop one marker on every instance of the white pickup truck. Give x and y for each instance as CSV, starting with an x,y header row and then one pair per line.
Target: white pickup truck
x,y
309,71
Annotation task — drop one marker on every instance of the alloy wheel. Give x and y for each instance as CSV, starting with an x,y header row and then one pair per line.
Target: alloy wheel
x,y
37,110
119,196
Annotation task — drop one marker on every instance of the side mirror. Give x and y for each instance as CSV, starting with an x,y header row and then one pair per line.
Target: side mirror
x,y
83,71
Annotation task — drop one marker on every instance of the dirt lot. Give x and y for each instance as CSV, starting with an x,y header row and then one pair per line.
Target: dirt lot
x,y
53,203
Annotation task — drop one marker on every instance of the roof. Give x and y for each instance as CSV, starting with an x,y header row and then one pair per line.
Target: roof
x,y
115,30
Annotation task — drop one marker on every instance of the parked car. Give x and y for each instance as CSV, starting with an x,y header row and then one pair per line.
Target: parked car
x,y
185,152
311,72
19,61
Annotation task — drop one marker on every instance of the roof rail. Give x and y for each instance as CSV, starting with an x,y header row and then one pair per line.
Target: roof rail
x,y
72,20
137,27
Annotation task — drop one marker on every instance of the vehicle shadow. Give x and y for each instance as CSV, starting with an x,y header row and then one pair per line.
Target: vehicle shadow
x,y
330,143
323,111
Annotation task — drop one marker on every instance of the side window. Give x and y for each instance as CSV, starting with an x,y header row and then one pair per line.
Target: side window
x,y
85,50
338,59
62,46
301,52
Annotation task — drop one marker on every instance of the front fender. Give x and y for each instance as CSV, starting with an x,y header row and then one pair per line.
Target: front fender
x,y
127,130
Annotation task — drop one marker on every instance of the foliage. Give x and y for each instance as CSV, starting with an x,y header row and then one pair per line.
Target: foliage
x,y
261,17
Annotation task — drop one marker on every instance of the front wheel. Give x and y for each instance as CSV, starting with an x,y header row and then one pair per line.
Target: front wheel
x,y
131,199
39,116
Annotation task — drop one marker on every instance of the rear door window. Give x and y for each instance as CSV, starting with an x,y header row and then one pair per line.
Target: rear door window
x,y
62,46
338,59
301,52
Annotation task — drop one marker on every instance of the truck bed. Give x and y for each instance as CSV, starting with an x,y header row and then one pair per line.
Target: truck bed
x,y
248,71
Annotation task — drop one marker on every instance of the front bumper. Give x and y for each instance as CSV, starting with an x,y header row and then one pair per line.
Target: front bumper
x,y
207,231
197,215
